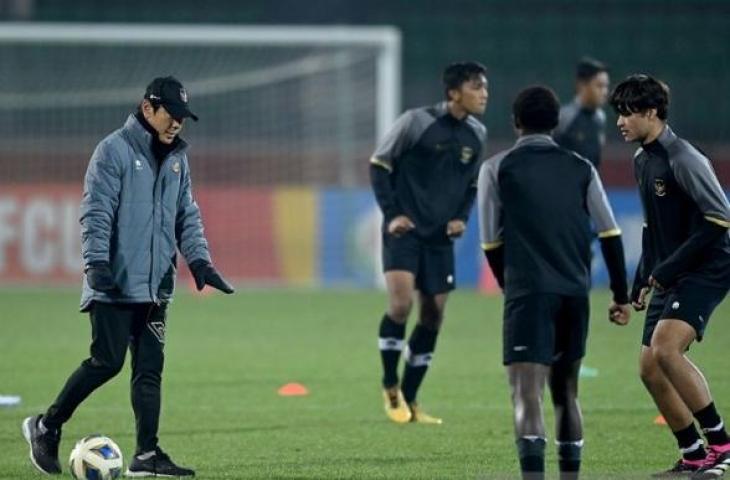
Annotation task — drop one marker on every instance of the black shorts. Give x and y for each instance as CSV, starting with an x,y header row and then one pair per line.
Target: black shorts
x,y
431,264
545,328
688,301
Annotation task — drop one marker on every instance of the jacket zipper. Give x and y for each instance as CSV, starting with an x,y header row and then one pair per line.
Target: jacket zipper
x,y
157,198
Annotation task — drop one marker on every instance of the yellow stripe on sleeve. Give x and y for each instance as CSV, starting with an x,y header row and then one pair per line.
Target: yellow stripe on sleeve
x,y
614,232
491,245
717,221
380,163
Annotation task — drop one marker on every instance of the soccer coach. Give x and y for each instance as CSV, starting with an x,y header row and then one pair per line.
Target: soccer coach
x,y
137,211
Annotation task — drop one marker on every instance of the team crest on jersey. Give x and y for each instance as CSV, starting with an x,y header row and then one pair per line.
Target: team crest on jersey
x,y
466,154
660,188
176,167
138,164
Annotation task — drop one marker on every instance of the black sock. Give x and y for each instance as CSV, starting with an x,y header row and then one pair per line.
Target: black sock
x,y
390,342
418,357
690,443
712,425
569,454
531,451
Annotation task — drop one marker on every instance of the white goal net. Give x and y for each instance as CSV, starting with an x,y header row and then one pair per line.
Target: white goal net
x,y
287,116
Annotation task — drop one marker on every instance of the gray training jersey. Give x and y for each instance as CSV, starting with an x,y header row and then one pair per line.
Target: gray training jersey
x,y
679,193
582,130
538,200
426,168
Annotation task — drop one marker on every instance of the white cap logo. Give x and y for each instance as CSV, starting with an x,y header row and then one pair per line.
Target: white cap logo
x,y
183,95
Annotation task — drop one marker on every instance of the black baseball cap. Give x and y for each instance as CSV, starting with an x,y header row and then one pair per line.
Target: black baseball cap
x,y
170,93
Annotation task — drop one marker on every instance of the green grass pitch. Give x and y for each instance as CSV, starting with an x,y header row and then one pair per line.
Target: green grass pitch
x,y
227,356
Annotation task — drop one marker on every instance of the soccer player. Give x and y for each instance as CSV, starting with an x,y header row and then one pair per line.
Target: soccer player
x,y
685,261
424,176
137,209
536,204
582,122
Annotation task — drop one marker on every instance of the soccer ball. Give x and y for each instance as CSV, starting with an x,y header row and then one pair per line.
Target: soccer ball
x,y
96,457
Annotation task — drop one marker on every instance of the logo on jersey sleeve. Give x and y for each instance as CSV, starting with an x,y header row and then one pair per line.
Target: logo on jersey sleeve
x,y
660,188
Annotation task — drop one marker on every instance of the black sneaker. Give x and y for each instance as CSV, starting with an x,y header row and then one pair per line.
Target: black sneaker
x,y
681,469
156,464
43,446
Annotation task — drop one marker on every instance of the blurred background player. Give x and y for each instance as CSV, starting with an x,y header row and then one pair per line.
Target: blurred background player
x,y
536,203
582,123
136,176
424,176
685,260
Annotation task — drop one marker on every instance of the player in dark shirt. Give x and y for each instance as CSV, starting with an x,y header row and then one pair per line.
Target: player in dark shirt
x,y
424,177
538,205
686,262
582,123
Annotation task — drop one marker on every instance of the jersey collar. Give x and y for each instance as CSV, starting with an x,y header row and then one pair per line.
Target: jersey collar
x,y
535,139
661,145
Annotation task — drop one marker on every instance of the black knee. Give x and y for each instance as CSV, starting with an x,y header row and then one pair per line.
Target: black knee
x,y
106,367
564,394
431,316
431,322
148,369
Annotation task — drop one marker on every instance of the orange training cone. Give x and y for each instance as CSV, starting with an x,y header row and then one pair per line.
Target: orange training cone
x,y
293,390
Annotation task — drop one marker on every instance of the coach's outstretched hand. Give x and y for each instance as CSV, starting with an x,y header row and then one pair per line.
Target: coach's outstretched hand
x,y
205,274
100,278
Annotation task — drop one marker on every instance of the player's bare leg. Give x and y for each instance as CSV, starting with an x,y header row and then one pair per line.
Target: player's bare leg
x,y
675,412
527,383
669,345
665,396
421,346
401,286
568,417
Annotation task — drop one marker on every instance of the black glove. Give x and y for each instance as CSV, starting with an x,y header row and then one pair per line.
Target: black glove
x,y
204,274
99,276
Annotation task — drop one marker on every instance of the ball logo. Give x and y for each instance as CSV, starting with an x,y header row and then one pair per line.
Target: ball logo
x,y
675,306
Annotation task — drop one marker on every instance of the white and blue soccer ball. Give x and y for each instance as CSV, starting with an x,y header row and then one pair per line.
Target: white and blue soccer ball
x,y
96,457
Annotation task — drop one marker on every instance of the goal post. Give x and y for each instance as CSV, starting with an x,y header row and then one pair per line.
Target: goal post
x,y
304,51
289,116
